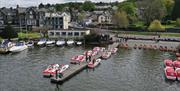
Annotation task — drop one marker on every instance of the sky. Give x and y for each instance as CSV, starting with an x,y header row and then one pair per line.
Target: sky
x,y
26,3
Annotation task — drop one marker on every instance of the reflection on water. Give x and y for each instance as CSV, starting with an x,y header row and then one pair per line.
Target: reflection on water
x,y
128,70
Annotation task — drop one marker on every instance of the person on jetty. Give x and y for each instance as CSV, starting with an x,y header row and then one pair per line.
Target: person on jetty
x,y
93,60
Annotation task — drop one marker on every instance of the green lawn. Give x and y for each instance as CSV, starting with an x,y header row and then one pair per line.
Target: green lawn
x,y
29,35
151,33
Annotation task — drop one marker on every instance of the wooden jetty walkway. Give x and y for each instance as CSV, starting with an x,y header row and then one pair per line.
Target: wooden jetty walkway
x,y
76,68
70,72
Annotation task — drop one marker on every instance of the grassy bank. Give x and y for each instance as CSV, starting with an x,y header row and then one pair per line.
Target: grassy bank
x,y
150,33
31,35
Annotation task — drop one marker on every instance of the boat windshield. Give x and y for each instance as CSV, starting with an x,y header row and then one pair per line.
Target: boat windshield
x,y
19,44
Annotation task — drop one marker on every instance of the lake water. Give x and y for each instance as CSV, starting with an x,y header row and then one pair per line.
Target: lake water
x,y
127,70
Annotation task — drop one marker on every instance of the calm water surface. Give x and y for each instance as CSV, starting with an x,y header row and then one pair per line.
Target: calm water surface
x,y
127,70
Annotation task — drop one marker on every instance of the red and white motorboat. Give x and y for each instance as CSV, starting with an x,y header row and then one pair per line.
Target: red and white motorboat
x,y
80,58
178,73
170,73
89,53
96,62
51,70
94,53
168,62
114,50
96,49
103,49
176,64
106,55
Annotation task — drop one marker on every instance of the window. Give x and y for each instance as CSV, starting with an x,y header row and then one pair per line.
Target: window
x,y
63,33
70,33
82,33
57,33
76,33
51,33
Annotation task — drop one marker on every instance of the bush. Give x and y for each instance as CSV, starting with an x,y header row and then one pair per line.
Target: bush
x,y
156,26
178,22
9,32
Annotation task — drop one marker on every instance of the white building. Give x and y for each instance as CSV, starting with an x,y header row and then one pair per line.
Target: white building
x,y
57,21
78,33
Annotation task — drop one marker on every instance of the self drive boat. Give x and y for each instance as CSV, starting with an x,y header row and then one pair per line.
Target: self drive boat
x,y
80,58
73,60
168,62
60,43
96,49
106,55
70,42
51,70
94,53
77,59
30,44
170,73
176,64
88,53
20,46
94,64
178,73
42,42
78,43
114,50
50,43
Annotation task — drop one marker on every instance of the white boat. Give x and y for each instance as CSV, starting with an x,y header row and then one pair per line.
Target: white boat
x,y
70,42
60,43
79,43
41,42
50,43
20,46
106,55
50,70
96,62
114,50
30,44
63,68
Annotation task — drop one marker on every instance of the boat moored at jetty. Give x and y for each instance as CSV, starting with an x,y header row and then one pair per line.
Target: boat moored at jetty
x,y
51,70
168,62
176,64
78,43
30,44
42,42
95,63
178,73
77,59
96,49
70,42
50,43
170,73
60,43
106,55
20,46
88,53
5,46
114,50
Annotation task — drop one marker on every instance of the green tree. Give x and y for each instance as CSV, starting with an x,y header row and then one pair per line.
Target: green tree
x,y
9,32
151,10
175,12
178,22
130,8
81,16
156,26
120,19
169,4
88,6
